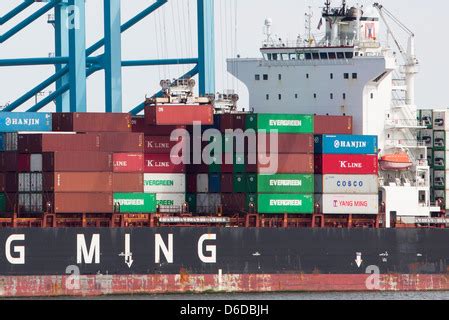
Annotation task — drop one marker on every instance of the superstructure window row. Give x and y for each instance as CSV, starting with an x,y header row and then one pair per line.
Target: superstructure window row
x,y
308,56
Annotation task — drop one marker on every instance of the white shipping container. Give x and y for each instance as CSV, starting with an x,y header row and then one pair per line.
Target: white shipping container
x,y
441,120
202,183
346,184
31,202
24,182
164,183
36,162
348,204
426,136
11,141
36,182
170,202
207,202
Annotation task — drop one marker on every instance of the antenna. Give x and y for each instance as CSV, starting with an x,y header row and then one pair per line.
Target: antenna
x,y
308,25
267,31
327,6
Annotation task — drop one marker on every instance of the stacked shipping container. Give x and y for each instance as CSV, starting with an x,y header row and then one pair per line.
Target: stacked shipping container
x,y
346,168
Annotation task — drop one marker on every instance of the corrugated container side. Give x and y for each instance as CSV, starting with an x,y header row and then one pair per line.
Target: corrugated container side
x,y
121,142
285,123
36,162
77,161
202,183
345,144
286,143
127,182
92,122
179,115
191,202
23,163
286,163
244,183
333,124
346,164
191,183
346,184
78,182
128,162
160,144
285,203
348,203
163,163
232,121
164,183
9,161
9,182
135,202
285,183
208,202
227,183
170,202
215,183
138,125
233,202
81,202
38,143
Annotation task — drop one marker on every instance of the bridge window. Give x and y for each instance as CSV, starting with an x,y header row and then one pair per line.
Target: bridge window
x,y
257,77
275,56
308,56
292,56
316,56
323,55
301,56
340,55
270,56
332,55
265,76
349,55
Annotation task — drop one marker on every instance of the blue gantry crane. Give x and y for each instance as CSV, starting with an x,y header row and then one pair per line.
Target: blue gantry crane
x,y
74,62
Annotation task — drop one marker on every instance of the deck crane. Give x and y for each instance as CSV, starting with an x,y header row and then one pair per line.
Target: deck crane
x,y
411,62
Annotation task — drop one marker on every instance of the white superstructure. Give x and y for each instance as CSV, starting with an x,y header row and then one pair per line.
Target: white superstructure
x,y
349,72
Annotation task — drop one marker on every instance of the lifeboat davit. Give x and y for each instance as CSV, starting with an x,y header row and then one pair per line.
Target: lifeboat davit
x,y
398,162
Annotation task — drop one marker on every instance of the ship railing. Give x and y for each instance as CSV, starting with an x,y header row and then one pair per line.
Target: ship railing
x,y
405,123
404,143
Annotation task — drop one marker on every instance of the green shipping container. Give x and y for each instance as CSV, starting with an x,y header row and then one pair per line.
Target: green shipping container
x,y
285,203
191,201
135,202
285,123
2,202
286,183
251,199
245,183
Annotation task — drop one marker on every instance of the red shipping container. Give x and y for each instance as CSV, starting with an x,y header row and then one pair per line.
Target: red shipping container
x,y
179,114
38,143
163,163
346,164
8,182
121,142
227,183
333,125
232,121
287,143
78,182
92,122
8,161
159,144
24,162
127,182
128,162
138,125
81,202
233,203
287,163
191,183
67,161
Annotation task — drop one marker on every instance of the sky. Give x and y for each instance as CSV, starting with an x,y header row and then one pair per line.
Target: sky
x,y
171,32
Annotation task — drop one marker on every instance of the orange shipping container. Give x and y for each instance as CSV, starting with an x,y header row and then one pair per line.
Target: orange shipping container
x,y
127,182
82,202
179,115
287,163
78,182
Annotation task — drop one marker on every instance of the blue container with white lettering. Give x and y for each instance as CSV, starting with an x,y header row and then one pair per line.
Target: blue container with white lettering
x,y
214,183
345,144
25,121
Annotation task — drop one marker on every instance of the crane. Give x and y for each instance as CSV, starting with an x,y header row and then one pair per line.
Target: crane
x,y
409,57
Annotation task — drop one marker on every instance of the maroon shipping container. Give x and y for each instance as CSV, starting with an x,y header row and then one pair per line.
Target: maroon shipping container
x,y
232,121
78,182
8,182
11,201
138,125
67,161
121,142
92,122
127,182
197,168
128,162
159,144
333,124
191,183
287,143
179,114
346,164
163,163
8,161
288,163
24,162
227,183
81,202
233,202
38,143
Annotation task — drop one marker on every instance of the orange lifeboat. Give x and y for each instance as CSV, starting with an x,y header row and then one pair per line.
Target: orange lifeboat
x,y
397,162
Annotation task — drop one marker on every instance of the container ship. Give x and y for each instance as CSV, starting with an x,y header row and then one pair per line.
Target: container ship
x,y
334,182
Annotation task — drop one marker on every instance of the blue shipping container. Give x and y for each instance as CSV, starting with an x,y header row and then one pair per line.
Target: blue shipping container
x,y
214,183
2,141
25,121
345,144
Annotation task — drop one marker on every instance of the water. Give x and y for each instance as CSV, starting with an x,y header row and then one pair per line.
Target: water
x,y
290,296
